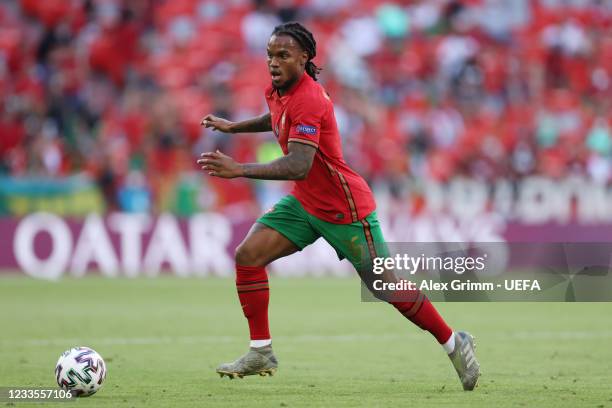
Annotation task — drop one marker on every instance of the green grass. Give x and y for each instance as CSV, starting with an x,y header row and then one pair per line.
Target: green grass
x,y
162,339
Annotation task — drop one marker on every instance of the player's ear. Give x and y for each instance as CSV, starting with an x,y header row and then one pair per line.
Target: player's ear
x,y
304,58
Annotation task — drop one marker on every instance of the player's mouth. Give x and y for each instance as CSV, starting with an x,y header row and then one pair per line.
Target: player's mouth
x,y
276,76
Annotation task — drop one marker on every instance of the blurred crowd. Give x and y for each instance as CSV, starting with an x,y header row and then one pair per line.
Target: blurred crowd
x,y
423,90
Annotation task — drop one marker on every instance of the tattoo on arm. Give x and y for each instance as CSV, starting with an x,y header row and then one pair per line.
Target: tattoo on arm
x,y
261,123
293,166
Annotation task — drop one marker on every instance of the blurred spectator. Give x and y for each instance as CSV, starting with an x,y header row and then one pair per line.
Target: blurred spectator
x,y
487,89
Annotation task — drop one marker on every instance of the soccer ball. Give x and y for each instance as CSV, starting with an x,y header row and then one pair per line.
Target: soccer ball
x,y
80,370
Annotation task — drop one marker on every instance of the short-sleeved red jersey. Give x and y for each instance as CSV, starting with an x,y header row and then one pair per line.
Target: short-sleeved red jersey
x,y
332,191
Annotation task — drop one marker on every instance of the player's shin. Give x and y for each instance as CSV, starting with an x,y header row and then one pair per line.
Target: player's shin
x,y
412,304
422,312
254,295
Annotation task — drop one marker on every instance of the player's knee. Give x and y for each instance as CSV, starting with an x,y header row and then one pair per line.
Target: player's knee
x,y
247,255
378,294
368,280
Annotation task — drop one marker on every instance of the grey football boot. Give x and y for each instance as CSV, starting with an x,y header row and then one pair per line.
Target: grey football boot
x,y
258,360
464,360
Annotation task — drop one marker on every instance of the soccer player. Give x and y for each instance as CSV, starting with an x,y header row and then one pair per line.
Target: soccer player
x,y
328,200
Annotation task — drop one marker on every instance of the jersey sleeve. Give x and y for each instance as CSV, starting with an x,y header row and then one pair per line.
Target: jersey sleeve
x,y
306,117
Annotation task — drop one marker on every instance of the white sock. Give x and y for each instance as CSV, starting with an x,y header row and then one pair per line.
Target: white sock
x,y
449,346
260,343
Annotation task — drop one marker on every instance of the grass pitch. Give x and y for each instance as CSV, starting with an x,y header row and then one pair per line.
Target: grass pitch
x,y
162,339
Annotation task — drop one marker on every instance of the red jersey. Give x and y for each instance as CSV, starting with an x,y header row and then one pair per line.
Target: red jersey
x,y
332,191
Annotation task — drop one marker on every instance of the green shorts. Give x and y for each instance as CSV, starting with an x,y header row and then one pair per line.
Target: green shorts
x,y
358,242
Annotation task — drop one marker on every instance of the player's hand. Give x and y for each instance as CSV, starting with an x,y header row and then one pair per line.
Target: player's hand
x,y
220,124
220,165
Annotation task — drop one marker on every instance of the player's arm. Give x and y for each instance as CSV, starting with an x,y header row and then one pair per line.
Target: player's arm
x,y
295,165
261,123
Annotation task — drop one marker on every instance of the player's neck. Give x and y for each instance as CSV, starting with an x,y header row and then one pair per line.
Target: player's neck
x,y
289,87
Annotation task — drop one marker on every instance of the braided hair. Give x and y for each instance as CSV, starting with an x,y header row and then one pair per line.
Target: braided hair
x,y
306,40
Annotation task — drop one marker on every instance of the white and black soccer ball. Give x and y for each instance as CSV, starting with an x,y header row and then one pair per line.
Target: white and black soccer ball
x,y
80,370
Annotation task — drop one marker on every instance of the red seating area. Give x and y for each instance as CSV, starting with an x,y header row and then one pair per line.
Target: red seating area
x,y
428,89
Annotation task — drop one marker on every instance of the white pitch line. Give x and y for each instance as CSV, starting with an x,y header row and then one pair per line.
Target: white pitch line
x,y
137,341
144,341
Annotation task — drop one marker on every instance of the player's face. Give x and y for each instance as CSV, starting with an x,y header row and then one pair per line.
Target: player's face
x,y
286,61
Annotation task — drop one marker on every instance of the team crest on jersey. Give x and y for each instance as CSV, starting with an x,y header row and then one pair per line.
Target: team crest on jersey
x,y
278,129
306,130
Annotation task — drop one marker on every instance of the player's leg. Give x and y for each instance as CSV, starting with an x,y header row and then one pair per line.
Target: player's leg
x,y
363,241
278,233
261,246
